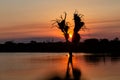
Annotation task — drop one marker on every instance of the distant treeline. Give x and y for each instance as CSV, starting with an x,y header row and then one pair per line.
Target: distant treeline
x,y
88,46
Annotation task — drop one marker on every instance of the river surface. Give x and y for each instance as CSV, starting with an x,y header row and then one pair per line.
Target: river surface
x,y
43,66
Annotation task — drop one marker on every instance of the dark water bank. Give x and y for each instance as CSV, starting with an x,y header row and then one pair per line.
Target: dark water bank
x,y
88,46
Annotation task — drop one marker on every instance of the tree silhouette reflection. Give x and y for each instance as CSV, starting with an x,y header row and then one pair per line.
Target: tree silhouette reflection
x,y
76,73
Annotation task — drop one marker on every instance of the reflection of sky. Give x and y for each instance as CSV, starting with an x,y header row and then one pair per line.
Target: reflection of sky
x,y
32,66
20,17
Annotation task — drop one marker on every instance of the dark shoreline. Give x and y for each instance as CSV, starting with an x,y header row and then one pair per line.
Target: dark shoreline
x,y
88,46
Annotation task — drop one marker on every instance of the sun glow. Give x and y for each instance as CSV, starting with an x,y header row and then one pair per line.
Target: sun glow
x,y
70,35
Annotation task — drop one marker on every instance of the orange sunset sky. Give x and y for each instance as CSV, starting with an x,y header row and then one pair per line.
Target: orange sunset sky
x,y
32,18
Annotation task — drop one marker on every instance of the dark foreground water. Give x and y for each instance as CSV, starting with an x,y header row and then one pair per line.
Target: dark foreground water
x,y
44,66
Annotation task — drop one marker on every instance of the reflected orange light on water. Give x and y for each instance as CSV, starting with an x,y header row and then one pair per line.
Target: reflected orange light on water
x,y
74,59
41,66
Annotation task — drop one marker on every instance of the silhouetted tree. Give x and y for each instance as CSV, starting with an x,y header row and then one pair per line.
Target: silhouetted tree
x,y
78,25
63,26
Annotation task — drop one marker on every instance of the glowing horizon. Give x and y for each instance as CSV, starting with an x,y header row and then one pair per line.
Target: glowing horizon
x,y
28,18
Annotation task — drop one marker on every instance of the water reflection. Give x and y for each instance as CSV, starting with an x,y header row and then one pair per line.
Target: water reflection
x,y
115,58
96,59
72,73
54,66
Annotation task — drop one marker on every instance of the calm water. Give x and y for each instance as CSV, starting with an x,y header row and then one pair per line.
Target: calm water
x,y
43,66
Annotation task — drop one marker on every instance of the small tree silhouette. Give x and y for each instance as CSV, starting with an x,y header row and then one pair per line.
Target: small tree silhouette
x,y
63,26
78,25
